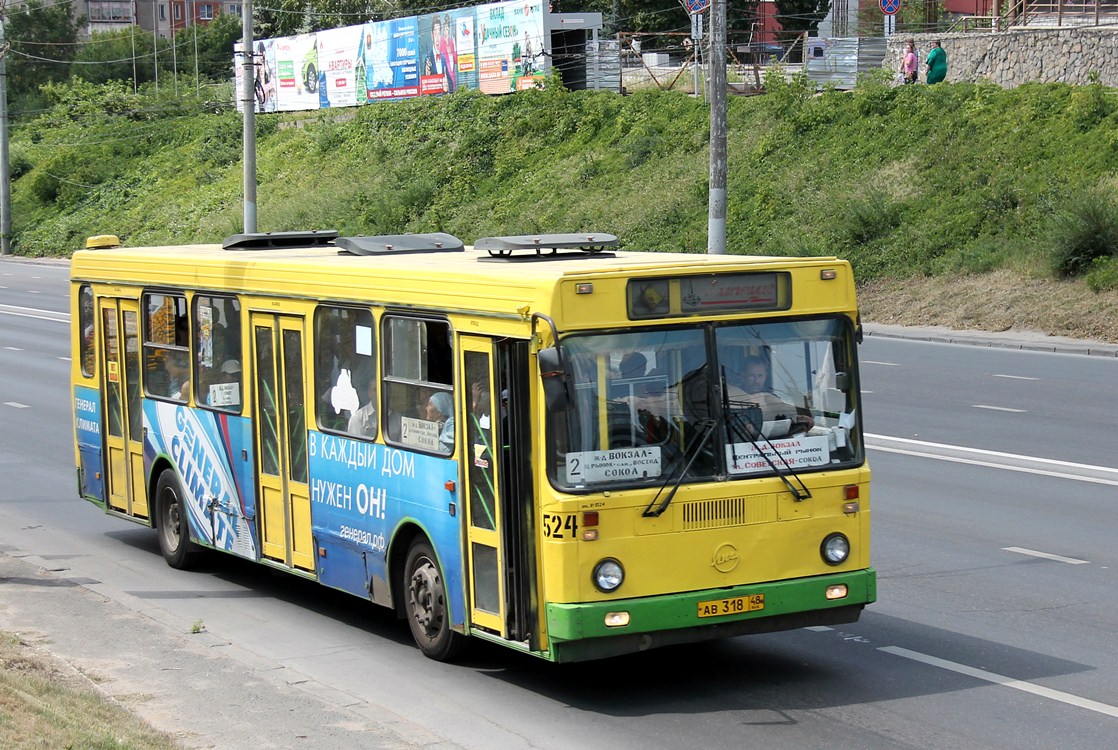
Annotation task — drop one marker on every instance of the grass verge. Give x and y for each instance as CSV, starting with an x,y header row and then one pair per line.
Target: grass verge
x,y
45,704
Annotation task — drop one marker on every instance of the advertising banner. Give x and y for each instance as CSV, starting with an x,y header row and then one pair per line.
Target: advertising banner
x,y
337,57
510,46
497,48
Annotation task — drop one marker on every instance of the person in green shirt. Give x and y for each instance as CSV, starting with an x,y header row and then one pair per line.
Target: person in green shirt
x,y
937,63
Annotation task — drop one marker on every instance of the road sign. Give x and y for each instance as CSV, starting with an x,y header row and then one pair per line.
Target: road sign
x,y
890,7
698,6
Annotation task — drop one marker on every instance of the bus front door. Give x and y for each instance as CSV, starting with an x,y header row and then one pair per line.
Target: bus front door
x,y
482,454
124,419
281,440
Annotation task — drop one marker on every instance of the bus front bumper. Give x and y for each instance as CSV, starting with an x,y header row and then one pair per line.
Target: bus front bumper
x,y
579,632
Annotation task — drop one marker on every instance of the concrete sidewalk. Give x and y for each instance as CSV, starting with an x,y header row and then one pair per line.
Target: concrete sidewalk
x,y
196,687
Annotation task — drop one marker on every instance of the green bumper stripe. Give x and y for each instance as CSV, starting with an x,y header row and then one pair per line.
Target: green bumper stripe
x,y
572,622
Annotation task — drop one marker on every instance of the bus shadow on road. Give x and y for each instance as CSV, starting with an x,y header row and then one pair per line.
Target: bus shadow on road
x,y
244,579
768,676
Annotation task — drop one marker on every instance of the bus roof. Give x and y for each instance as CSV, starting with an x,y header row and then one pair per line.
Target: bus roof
x,y
469,279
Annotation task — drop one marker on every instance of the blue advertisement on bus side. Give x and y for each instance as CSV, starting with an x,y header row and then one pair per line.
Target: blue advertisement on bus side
x,y
87,425
213,454
361,492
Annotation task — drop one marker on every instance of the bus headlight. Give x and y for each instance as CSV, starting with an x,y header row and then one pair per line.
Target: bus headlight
x,y
835,549
608,575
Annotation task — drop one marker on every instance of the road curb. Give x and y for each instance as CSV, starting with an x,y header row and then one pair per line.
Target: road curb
x,y
1021,340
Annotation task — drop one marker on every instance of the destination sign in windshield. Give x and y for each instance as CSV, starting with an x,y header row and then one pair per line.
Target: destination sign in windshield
x,y
714,293
613,465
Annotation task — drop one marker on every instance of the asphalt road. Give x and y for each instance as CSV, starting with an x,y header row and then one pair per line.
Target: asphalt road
x,y
994,498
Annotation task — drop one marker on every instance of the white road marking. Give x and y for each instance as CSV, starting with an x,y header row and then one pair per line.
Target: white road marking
x,y
997,679
1014,377
31,312
1047,556
998,408
13,348
994,459
876,362
64,359
16,405
33,291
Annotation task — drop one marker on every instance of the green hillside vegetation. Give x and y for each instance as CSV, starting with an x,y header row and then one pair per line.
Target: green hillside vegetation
x,y
908,182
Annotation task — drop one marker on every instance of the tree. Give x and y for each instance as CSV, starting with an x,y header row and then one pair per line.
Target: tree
x,y
121,55
127,55
44,41
290,17
215,47
797,16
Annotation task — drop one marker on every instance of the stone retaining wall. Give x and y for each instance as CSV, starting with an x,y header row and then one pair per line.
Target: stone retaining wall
x,y
1010,58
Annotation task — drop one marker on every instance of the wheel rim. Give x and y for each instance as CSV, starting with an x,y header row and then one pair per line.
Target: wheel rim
x,y
425,590
171,527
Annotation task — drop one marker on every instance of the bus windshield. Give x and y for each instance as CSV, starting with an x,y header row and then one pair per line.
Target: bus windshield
x,y
707,402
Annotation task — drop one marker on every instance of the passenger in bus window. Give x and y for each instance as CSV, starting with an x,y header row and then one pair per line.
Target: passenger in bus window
x,y
364,421
182,330
440,409
178,376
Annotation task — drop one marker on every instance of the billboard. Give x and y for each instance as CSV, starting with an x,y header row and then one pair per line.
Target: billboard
x,y
497,48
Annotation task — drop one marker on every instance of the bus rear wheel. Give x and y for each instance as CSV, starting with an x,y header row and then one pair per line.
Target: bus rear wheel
x,y
174,531
425,604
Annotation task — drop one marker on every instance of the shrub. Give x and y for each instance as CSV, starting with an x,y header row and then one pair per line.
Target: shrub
x,y
1103,274
869,217
1085,230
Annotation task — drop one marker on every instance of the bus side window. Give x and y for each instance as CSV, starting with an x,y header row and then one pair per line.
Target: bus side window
x,y
345,371
86,329
166,346
217,345
418,398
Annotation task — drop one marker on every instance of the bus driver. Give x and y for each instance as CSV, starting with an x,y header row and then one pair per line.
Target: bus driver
x,y
754,388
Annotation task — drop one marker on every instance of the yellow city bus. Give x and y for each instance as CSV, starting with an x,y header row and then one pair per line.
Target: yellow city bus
x,y
539,441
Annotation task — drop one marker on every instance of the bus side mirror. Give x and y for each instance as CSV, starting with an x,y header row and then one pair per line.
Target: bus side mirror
x,y
556,377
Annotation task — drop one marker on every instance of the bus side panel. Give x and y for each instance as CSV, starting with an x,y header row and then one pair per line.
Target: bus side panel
x,y
87,425
204,448
360,493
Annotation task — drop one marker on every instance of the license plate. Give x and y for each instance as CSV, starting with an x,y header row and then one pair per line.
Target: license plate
x,y
733,606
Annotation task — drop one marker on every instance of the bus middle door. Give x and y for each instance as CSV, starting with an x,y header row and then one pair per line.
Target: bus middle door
x,y
281,440
124,419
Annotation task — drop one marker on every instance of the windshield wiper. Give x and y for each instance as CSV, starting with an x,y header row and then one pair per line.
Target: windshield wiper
x,y
736,424
690,453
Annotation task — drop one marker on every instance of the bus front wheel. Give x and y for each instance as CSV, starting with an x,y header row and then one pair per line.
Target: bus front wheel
x,y
174,532
425,604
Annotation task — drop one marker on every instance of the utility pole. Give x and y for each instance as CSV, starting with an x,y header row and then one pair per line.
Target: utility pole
x,y
5,167
194,23
716,215
155,45
249,131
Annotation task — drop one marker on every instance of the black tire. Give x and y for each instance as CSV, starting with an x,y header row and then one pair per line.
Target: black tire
x,y
425,605
173,529
310,82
